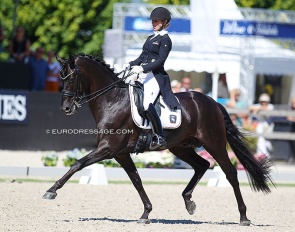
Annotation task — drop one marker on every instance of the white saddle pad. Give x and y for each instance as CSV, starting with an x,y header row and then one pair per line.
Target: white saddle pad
x,y
170,119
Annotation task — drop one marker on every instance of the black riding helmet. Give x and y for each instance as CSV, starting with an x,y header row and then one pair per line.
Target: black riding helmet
x,y
161,13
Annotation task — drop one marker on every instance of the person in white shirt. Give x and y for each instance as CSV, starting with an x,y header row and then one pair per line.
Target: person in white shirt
x,y
52,81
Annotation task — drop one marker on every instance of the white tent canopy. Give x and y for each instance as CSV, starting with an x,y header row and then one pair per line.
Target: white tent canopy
x,y
212,53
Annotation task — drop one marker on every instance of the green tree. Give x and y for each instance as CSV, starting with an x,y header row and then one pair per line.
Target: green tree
x,y
64,26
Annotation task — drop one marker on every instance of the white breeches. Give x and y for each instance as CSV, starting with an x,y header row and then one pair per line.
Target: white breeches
x,y
151,88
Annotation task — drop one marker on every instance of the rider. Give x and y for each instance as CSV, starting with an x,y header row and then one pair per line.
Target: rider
x,y
150,68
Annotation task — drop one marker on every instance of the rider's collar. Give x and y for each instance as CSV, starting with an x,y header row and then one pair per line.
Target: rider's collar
x,y
161,33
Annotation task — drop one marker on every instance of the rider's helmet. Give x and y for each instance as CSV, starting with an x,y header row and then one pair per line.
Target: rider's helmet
x,y
161,13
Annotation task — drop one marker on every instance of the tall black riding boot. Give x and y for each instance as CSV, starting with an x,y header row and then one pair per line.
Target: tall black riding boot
x,y
158,139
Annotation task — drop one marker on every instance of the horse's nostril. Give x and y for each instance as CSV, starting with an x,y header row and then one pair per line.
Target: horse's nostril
x,y
65,109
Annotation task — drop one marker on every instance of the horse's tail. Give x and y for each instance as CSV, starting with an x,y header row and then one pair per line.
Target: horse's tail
x,y
258,172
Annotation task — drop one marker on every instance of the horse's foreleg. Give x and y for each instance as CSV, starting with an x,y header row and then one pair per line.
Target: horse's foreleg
x,y
93,157
127,163
199,165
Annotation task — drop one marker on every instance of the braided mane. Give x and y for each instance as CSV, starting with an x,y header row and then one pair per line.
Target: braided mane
x,y
98,60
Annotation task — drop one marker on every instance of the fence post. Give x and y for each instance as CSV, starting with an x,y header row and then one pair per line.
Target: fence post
x,y
97,175
220,180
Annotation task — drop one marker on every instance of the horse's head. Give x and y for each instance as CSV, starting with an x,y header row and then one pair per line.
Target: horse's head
x,y
74,86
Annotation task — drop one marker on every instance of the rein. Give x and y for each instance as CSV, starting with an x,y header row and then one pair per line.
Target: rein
x,y
79,99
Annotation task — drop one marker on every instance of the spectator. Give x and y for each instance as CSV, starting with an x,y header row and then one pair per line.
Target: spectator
x,y
39,69
263,125
235,103
52,80
292,107
264,104
234,100
186,84
2,36
200,90
19,47
175,86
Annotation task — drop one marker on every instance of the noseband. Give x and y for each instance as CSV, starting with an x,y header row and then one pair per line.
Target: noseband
x,y
78,95
82,98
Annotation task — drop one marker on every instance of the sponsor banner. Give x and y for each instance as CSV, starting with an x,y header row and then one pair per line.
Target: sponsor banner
x,y
13,106
142,24
253,28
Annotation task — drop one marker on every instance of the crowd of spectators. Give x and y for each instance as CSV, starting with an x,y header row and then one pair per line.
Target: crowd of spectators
x,y
44,70
245,116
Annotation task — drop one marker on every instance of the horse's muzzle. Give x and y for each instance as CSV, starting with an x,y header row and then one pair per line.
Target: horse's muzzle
x,y
68,110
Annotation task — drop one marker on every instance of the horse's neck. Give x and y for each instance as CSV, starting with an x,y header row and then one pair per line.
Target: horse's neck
x,y
113,101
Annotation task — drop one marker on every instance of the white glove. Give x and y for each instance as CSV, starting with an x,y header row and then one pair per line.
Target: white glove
x,y
126,66
137,69
117,68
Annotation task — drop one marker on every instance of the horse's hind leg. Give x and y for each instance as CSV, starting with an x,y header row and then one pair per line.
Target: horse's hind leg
x,y
127,163
93,157
221,156
200,166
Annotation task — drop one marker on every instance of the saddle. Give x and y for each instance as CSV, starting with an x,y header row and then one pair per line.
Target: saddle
x,y
138,93
171,119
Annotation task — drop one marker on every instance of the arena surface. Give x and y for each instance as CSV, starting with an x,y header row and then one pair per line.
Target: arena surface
x,y
116,207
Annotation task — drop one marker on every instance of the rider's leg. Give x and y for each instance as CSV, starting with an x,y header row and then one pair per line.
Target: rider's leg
x,y
158,139
151,92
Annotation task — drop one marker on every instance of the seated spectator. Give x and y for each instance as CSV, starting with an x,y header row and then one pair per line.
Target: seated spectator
x,y
292,107
263,145
39,69
200,90
186,84
235,103
19,47
175,86
52,80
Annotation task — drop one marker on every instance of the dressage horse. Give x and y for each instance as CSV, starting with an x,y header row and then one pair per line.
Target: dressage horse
x,y
204,123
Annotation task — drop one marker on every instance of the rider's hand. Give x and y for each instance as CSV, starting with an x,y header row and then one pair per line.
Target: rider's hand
x,y
126,66
137,69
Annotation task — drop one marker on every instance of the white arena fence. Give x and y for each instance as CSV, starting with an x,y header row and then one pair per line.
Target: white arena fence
x,y
97,174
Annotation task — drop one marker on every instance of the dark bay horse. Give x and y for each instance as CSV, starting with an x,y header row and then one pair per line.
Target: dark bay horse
x,y
204,123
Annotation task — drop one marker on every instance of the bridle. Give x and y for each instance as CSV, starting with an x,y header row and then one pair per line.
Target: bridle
x,y
80,98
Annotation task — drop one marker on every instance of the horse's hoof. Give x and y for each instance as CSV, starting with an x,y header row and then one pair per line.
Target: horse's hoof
x,y
245,223
144,221
49,195
191,208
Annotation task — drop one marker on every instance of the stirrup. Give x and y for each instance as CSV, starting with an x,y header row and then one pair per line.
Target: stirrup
x,y
157,141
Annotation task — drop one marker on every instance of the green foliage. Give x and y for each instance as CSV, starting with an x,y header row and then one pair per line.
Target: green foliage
x,y
73,156
64,26
268,4
138,164
50,159
70,27
173,2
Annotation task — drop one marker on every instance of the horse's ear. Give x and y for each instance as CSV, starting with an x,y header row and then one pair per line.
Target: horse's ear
x,y
72,61
60,60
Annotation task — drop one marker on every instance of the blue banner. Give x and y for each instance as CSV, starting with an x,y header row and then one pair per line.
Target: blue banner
x,y
13,106
141,24
253,28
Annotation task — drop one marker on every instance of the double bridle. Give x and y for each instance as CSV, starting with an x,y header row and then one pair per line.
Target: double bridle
x,y
82,98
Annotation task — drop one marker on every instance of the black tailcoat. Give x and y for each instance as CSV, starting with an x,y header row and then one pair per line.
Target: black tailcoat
x,y
154,54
